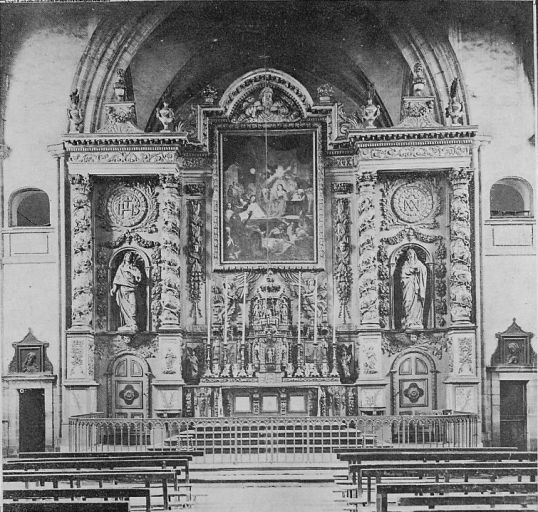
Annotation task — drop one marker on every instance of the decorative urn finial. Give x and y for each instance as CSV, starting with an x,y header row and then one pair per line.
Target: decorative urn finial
x,y
166,116
209,94
369,112
418,79
325,93
75,113
454,111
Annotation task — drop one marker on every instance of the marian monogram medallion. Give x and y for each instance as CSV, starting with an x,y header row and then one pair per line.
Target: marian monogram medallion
x,y
412,202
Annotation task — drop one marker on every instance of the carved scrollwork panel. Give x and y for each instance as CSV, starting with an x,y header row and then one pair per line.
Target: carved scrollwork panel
x,y
195,257
82,260
342,270
437,344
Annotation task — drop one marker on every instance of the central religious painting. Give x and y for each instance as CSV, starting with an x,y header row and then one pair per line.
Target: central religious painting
x,y
268,198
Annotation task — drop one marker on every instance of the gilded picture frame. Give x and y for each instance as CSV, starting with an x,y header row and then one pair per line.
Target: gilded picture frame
x,y
268,199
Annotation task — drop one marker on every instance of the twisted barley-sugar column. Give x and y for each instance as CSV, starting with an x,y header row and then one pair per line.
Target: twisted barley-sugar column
x,y
170,263
81,252
368,278
461,300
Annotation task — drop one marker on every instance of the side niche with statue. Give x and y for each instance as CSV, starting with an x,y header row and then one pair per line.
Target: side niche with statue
x,y
412,285
129,292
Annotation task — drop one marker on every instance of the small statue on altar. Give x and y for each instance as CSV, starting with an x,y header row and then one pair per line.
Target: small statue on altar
x,y
166,116
345,361
192,364
75,114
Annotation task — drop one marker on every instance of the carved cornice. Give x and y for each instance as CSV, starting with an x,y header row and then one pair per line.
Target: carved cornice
x,y
151,140
417,134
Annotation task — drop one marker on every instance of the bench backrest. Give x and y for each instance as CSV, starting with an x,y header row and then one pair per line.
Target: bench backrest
x,y
37,476
443,465
76,455
437,455
68,506
446,487
83,492
28,464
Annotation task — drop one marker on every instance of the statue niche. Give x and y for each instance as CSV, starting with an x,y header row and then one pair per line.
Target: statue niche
x,y
129,286
412,285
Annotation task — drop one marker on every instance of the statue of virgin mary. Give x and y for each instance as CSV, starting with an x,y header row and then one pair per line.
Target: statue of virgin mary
x,y
413,280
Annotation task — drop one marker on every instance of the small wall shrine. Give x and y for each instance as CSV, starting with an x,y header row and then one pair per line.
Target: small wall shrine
x,y
270,253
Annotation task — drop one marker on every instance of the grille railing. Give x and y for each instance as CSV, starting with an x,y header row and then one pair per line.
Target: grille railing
x,y
270,439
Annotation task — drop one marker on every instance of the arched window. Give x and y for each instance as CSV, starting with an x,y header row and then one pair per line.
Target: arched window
x,y
511,197
30,207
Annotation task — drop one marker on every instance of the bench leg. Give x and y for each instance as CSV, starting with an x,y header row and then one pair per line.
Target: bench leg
x,y
165,493
381,502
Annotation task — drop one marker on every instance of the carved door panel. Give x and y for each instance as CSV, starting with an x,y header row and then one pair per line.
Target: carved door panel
x,y
129,388
413,385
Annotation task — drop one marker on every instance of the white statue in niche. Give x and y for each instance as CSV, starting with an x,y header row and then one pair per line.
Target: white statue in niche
x,y
413,280
124,287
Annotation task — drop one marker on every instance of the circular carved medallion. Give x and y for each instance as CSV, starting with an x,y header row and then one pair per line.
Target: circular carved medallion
x,y
126,206
412,202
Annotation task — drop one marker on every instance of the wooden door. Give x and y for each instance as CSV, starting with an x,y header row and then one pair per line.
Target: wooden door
x,y
513,401
414,389
129,384
31,420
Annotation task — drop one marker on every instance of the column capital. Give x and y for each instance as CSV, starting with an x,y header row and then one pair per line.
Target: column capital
x,y
170,180
5,151
366,179
460,176
57,150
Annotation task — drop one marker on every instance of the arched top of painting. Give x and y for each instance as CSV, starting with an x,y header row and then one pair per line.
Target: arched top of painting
x,y
266,95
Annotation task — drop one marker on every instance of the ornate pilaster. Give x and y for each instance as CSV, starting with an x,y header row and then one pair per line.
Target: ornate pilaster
x,y
343,275
81,394
368,278
82,261
195,257
170,263
461,301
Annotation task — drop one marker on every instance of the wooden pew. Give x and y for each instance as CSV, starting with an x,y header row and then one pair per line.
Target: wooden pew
x,y
99,463
67,506
445,493
426,449
148,477
444,470
150,453
118,493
